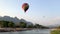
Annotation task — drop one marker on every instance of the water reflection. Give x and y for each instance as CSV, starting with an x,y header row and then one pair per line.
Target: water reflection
x,y
35,31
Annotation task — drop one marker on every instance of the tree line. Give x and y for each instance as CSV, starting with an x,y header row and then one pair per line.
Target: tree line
x,y
10,24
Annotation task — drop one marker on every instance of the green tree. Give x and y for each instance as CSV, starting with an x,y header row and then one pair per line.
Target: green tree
x,y
37,26
5,23
23,24
30,26
1,24
11,24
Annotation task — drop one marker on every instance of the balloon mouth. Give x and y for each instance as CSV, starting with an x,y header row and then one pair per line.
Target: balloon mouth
x,y
24,11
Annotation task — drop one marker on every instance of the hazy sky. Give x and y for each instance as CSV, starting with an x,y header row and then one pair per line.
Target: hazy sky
x,y
45,12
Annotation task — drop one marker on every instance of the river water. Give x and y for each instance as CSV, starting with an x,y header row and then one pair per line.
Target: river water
x,y
35,31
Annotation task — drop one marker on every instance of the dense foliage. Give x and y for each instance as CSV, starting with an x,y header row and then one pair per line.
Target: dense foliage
x,y
10,24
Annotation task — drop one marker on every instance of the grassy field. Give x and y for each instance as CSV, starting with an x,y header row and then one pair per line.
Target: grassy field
x,y
57,31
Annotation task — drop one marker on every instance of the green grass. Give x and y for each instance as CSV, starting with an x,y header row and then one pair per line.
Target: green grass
x,y
55,32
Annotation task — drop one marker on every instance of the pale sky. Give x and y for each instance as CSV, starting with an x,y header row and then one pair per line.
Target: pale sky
x,y
44,12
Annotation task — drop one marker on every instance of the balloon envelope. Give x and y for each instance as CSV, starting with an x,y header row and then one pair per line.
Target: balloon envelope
x,y
25,7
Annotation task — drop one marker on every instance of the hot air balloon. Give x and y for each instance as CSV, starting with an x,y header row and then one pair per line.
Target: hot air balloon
x,y
25,7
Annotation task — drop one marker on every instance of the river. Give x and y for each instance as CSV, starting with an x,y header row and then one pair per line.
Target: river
x,y
35,31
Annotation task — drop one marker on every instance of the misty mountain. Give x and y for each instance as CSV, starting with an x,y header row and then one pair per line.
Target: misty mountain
x,y
7,18
28,23
15,19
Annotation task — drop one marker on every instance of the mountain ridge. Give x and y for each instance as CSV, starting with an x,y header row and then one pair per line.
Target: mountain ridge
x,y
14,20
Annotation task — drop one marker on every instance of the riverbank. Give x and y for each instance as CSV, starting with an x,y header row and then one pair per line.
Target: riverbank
x,y
55,31
14,29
